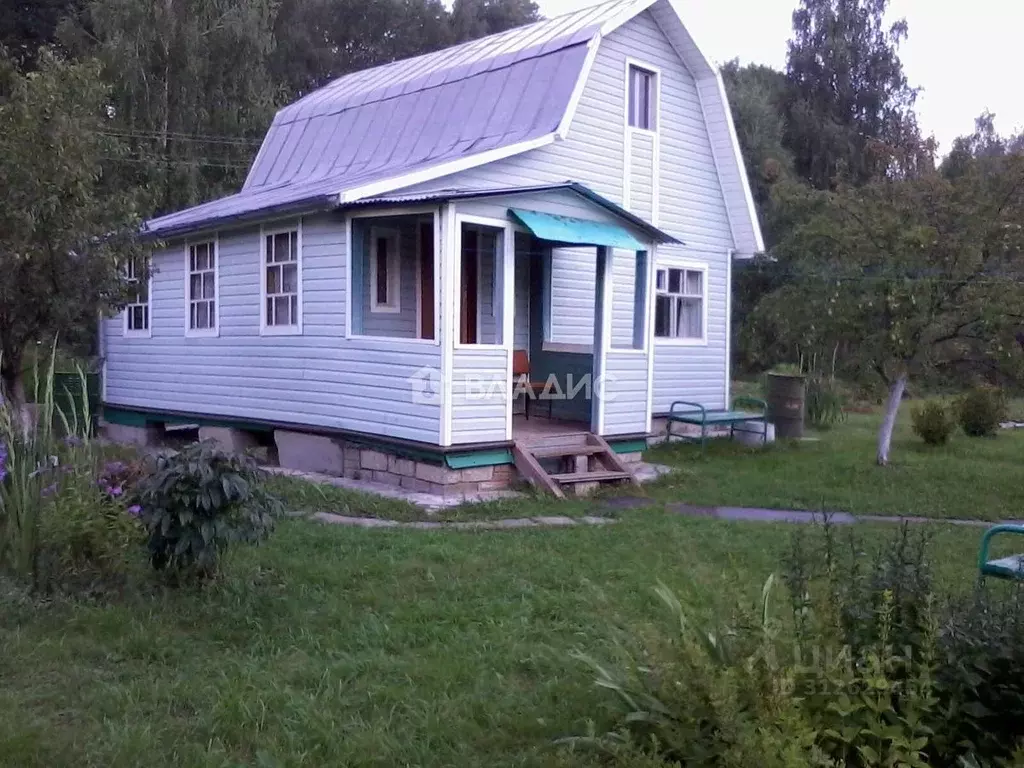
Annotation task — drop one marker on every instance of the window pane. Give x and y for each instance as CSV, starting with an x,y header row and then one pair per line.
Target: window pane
x,y
693,283
281,246
208,286
381,288
270,248
294,246
195,286
632,96
281,311
273,280
661,280
662,309
270,311
643,99
145,317
295,310
690,318
675,280
290,278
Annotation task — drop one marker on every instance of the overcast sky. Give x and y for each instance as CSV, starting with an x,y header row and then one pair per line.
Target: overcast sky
x,y
965,56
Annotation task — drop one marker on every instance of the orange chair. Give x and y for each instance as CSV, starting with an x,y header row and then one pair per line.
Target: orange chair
x,y
521,380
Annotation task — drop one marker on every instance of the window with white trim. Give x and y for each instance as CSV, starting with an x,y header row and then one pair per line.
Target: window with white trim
x,y
642,98
136,312
202,288
680,297
385,271
281,256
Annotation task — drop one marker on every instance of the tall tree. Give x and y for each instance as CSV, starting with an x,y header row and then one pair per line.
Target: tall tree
x,y
471,19
26,25
191,94
319,40
851,118
905,276
62,235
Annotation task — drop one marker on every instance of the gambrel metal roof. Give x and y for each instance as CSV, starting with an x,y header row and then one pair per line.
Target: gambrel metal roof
x,y
385,128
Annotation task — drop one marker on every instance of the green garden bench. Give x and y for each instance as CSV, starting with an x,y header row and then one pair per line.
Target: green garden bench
x,y
1010,567
685,412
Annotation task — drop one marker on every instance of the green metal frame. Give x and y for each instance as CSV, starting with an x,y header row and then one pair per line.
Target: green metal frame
x,y
988,567
697,414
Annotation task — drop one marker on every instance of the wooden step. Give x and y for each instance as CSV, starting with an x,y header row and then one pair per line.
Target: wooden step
x,y
555,451
591,477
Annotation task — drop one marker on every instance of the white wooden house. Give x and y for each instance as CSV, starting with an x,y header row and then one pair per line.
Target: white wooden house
x,y
571,191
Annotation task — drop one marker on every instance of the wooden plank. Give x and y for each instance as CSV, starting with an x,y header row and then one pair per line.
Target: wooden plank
x,y
557,451
591,477
534,473
611,458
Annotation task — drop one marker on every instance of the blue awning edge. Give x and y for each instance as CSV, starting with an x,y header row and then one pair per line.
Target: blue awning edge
x,y
568,230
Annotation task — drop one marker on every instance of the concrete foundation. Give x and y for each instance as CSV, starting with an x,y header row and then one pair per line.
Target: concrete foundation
x,y
310,453
228,439
144,436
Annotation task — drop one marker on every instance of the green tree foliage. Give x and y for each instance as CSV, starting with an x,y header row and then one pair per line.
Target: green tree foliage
x,y
905,275
850,118
27,25
61,236
191,91
471,19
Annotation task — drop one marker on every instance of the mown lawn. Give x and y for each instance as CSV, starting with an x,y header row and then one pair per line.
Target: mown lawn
x,y
337,646
977,478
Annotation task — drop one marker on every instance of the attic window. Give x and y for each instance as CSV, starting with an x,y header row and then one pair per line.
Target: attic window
x,y
642,97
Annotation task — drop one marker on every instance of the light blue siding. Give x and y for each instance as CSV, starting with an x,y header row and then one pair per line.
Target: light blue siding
x,y
315,379
521,321
402,324
625,387
480,391
691,202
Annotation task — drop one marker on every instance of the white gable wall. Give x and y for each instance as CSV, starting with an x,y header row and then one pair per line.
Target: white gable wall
x,y
690,206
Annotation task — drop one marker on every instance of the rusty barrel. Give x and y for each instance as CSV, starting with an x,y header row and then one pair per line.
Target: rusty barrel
x,y
785,398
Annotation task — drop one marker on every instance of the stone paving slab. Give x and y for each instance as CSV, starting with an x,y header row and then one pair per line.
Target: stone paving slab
x,y
329,518
759,515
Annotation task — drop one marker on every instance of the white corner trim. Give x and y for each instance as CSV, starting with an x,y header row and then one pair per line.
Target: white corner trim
x,y
394,287
508,310
444,169
562,132
202,333
728,329
755,224
448,263
349,294
652,264
280,330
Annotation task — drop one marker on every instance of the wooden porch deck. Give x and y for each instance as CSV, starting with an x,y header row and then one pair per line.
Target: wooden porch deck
x,y
538,429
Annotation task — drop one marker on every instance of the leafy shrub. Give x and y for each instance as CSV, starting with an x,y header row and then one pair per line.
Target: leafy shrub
x,y
824,402
981,410
933,422
198,501
870,675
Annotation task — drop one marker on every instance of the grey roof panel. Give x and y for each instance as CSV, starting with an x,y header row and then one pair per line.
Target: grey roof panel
x,y
412,114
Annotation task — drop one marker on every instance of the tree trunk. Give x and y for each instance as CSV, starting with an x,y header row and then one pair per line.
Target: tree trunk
x,y
892,407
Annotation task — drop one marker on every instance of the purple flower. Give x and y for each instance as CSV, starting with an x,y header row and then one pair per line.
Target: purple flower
x,y
135,510
72,441
49,490
114,467
115,490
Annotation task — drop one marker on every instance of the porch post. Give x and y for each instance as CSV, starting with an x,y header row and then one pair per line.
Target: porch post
x,y
508,308
602,334
446,283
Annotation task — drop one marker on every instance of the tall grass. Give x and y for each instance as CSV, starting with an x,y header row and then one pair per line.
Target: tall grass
x,y
32,448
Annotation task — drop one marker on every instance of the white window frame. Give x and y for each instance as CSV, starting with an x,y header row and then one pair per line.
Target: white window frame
x,y
393,305
654,97
664,264
213,331
139,333
280,330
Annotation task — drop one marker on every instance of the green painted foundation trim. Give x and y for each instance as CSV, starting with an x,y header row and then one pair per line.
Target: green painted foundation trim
x,y
629,446
479,459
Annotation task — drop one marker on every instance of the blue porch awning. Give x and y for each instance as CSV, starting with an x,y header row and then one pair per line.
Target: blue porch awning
x,y
572,231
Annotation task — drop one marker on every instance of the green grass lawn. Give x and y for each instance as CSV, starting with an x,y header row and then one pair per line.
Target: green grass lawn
x,y
347,647
979,478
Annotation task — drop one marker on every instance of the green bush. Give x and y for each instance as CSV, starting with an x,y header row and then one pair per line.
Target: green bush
x,y
869,672
933,422
981,410
824,402
198,501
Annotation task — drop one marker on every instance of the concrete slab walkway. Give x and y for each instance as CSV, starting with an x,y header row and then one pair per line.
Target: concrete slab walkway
x,y
759,515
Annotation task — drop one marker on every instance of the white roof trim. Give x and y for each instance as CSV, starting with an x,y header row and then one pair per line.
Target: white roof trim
x,y
744,179
581,84
444,169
